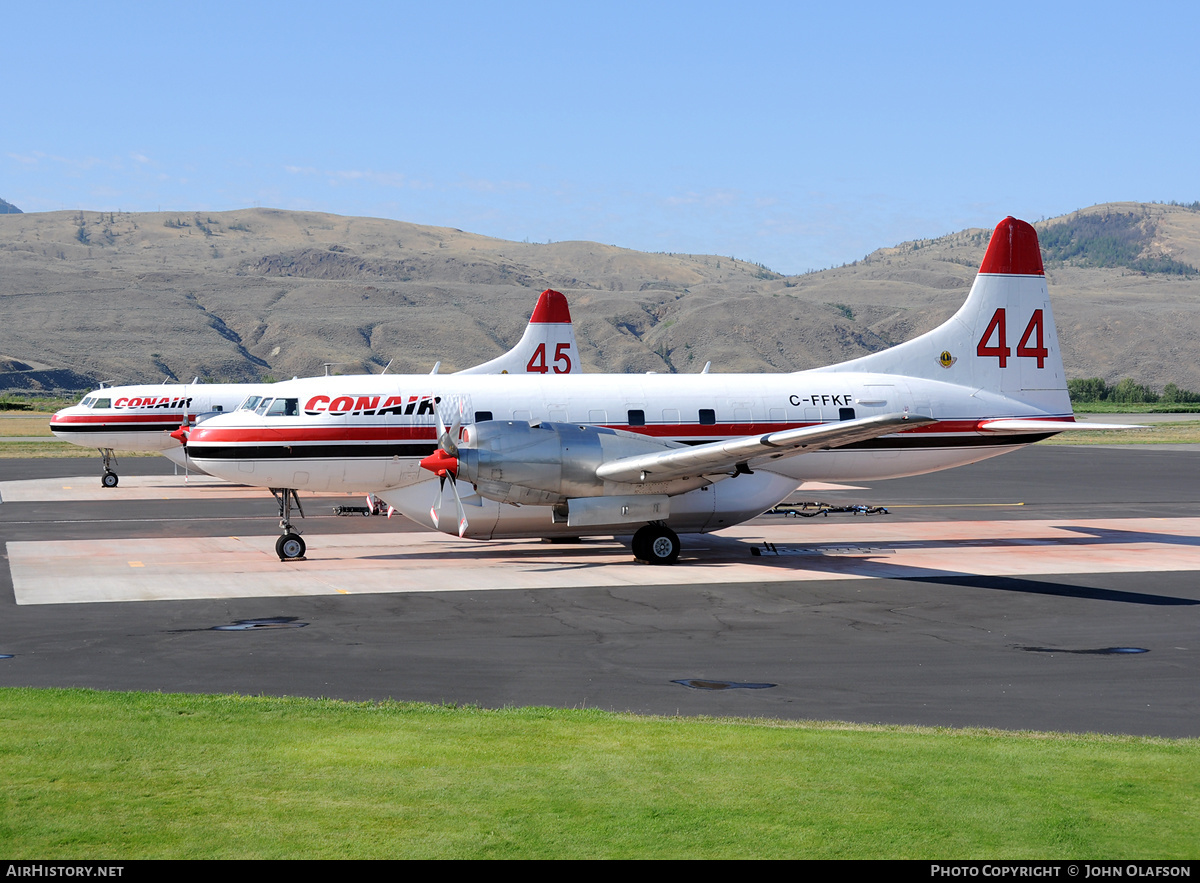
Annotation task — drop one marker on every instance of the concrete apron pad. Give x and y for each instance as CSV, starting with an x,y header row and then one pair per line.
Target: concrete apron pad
x,y
64,572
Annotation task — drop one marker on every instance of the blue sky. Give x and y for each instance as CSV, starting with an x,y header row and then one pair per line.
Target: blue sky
x,y
797,136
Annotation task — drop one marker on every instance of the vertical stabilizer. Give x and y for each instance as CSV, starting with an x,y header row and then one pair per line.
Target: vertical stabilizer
x,y
1002,339
547,347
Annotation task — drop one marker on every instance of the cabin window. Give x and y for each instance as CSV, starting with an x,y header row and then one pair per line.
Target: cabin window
x,y
845,413
708,417
637,418
219,408
483,416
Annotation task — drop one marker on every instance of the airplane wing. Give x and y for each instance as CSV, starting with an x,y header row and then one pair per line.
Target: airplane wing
x,y
739,453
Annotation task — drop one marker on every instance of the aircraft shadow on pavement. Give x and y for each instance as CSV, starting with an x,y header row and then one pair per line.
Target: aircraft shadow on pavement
x,y
838,558
1061,590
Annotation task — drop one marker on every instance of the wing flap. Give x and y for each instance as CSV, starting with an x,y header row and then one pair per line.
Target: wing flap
x,y
726,456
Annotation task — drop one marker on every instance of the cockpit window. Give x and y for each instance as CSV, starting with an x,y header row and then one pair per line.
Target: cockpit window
x,y
87,402
102,403
284,408
250,404
262,406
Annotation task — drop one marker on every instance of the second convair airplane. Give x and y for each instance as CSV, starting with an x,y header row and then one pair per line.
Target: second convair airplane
x,y
154,418
543,455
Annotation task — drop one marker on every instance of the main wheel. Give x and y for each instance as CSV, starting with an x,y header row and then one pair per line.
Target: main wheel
x,y
289,546
656,544
109,480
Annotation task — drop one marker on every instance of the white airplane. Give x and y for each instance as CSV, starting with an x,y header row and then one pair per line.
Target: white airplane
x,y
657,455
153,417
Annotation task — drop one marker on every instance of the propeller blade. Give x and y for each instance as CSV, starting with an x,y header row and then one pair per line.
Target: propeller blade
x,y
445,438
437,503
462,514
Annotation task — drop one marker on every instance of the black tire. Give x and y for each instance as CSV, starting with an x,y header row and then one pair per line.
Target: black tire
x,y
289,547
110,479
641,542
656,544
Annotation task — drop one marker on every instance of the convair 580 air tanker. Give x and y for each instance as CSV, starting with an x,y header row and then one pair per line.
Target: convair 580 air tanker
x,y
544,455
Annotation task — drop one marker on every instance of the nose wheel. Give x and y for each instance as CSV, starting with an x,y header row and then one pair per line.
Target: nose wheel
x,y
289,547
656,544
109,479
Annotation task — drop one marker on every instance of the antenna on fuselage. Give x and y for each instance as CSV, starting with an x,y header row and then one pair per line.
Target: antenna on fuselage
x,y
707,365
436,365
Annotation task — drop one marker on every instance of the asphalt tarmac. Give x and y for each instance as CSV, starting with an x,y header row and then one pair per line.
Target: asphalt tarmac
x,y
1051,589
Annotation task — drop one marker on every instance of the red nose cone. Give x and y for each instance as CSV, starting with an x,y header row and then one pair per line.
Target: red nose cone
x,y
440,463
180,435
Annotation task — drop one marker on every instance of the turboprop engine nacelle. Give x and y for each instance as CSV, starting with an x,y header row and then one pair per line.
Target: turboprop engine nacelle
x,y
548,464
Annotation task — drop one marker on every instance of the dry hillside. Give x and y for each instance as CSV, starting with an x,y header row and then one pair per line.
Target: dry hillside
x,y
240,295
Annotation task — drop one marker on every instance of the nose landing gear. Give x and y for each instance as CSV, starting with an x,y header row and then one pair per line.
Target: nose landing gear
x,y
290,546
109,479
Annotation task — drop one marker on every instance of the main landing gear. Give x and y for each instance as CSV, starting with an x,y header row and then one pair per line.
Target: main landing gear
x,y
656,544
289,547
109,479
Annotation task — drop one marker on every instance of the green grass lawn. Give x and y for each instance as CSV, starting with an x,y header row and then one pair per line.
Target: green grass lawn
x,y
133,775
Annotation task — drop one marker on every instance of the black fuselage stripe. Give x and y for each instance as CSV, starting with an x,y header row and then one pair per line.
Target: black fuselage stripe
x,y
309,452
362,451
115,427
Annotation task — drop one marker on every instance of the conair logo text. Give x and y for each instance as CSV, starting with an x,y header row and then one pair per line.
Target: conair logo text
x,y
153,402
370,406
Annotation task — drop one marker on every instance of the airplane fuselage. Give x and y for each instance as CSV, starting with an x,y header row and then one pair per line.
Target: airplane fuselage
x,y
142,417
331,438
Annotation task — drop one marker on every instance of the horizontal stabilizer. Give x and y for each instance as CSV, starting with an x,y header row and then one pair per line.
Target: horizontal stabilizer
x,y
726,456
1016,426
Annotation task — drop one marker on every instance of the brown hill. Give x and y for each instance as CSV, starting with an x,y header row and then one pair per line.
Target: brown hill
x,y
246,294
